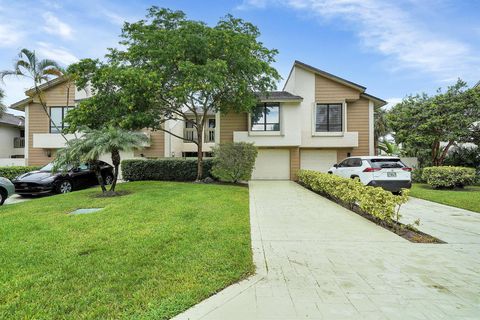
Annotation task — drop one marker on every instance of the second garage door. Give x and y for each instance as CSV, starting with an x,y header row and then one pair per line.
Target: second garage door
x,y
272,164
318,160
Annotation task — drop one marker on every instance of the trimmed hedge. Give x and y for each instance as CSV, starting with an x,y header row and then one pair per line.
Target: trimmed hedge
x,y
448,176
375,201
14,171
164,169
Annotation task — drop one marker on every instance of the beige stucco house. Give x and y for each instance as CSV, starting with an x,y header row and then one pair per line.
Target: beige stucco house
x,y
315,121
11,140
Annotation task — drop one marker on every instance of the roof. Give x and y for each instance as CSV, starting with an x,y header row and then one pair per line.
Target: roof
x,y
379,102
11,120
19,105
279,96
477,85
329,76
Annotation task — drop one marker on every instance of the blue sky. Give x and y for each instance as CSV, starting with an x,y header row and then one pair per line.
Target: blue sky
x,y
392,47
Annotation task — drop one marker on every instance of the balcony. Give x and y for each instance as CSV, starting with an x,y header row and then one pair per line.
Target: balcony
x,y
19,142
191,134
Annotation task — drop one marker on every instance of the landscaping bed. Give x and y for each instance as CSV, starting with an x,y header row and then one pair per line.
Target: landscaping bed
x,y
374,204
150,254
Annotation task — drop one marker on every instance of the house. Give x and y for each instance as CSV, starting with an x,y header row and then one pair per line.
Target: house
x,y
12,140
315,121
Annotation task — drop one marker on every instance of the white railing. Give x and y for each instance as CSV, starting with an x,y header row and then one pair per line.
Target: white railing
x,y
191,134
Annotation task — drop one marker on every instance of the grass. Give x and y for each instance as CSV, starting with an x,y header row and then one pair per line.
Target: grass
x,y
148,255
467,198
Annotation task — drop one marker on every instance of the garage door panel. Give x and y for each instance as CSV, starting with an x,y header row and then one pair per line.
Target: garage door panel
x,y
272,164
318,160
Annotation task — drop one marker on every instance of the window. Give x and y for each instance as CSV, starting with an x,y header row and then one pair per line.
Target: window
x,y
58,114
211,123
328,117
387,163
266,117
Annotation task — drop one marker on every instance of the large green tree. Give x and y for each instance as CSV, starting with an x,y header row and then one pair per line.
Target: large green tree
x,y
435,123
173,68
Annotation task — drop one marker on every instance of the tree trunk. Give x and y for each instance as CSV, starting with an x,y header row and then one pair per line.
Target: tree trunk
x,y
200,152
435,147
98,174
444,152
116,165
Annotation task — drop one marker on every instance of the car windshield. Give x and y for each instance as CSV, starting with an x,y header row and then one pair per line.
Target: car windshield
x,y
49,167
386,163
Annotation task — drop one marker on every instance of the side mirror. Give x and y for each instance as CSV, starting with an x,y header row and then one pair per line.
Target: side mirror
x,y
335,165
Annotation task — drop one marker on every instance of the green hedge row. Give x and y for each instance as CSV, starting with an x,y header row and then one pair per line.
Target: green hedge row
x,y
12,172
164,169
377,202
449,176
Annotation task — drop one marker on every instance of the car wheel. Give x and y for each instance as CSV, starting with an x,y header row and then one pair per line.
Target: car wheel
x,y
109,179
3,197
64,186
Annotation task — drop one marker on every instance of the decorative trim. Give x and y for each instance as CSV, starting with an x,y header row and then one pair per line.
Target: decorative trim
x,y
371,133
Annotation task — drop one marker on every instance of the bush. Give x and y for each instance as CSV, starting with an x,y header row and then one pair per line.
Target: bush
x,y
14,171
234,161
164,169
417,175
377,202
448,176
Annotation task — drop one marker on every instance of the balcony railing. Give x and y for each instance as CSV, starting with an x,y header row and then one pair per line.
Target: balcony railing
x,y
191,134
18,142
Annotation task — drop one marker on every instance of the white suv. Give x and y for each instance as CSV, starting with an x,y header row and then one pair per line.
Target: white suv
x,y
387,172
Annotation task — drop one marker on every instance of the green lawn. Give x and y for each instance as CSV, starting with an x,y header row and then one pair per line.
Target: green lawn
x,y
148,255
467,198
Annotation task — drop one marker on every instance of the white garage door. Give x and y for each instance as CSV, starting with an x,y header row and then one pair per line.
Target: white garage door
x,y
318,160
272,164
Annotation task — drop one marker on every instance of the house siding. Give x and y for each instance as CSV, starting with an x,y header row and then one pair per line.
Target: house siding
x,y
57,95
327,90
357,120
157,146
294,163
37,123
232,122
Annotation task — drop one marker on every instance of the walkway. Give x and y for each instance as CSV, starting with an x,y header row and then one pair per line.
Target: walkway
x,y
317,260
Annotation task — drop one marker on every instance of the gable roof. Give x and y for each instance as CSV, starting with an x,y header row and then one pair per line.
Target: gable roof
x,y
378,102
20,105
11,120
477,85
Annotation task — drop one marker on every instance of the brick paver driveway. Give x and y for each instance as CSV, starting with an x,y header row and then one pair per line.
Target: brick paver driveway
x,y
317,260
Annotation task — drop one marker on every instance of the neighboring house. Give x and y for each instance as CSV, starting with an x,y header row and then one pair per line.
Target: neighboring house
x,y
12,140
317,120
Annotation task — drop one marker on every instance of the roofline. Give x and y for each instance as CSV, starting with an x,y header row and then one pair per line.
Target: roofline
x,y
477,85
46,85
21,104
329,76
380,102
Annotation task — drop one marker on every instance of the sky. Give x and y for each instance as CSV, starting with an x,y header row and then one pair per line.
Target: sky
x,y
394,48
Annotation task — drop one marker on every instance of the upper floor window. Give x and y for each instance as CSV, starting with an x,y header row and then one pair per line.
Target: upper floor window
x,y
266,117
58,114
328,117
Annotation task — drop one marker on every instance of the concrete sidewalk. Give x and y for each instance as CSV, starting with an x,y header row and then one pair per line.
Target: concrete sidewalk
x,y
317,260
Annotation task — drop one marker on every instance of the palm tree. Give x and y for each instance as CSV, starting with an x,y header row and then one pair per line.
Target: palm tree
x,y
94,143
29,66
380,126
390,148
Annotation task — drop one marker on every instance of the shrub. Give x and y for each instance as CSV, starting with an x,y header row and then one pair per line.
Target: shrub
x,y
14,171
234,161
417,175
448,176
164,169
377,202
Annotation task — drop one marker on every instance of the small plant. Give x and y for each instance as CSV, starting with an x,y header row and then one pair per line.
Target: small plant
x,y
448,177
234,161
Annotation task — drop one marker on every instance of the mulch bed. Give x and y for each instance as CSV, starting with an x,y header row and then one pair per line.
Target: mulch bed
x,y
405,231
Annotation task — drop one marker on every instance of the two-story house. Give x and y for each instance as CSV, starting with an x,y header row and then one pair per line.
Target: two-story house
x,y
11,140
317,120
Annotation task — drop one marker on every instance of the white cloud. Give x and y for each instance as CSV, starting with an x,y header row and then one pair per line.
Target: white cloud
x,y
58,54
248,4
14,88
114,18
9,36
393,32
54,25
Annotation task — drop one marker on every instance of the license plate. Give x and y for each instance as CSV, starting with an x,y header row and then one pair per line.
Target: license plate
x,y
391,174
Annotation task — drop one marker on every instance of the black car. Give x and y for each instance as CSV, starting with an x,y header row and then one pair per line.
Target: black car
x,y
45,181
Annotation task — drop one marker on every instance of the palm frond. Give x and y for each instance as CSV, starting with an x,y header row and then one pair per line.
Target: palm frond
x,y
6,73
30,55
48,64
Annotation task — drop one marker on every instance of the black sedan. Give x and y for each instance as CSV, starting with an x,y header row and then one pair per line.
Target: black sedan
x,y
45,181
